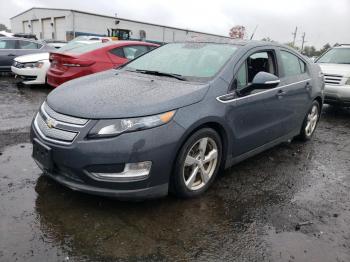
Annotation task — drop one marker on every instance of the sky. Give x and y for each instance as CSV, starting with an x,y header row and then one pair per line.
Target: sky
x,y
323,21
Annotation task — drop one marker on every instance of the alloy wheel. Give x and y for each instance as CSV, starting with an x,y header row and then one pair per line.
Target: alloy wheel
x,y
312,119
200,163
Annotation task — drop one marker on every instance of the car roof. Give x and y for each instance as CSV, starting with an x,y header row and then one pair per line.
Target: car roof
x,y
240,42
22,38
342,46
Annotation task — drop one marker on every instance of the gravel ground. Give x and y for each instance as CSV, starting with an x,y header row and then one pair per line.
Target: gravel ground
x,y
251,213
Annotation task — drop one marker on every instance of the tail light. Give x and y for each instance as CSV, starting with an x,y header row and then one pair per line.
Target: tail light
x,y
69,61
77,63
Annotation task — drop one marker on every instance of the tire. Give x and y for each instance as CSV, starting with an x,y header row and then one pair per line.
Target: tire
x,y
193,172
306,131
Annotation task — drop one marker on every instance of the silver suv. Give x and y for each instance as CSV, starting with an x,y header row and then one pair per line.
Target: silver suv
x,y
335,65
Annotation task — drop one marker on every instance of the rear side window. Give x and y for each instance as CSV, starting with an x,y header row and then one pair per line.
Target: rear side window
x,y
131,52
118,52
80,48
7,44
292,65
28,45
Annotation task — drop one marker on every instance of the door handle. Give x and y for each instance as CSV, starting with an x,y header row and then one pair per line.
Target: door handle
x,y
307,86
280,93
11,55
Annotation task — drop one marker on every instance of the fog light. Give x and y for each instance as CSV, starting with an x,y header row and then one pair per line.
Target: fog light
x,y
131,172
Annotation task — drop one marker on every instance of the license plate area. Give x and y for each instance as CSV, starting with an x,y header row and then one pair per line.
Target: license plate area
x,y
42,154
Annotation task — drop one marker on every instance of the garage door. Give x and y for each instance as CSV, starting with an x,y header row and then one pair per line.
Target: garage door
x,y
60,31
47,28
26,29
36,28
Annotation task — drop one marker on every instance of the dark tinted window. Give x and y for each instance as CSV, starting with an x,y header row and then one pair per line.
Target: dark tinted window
x,y
131,52
22,44
118,52
292,65
7,44
241,77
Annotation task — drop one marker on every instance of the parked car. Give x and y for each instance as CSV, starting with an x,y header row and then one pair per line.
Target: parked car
x,y
172,118
32,69
5,34
25,35
55,43
11,47
68,64
92,37
335,65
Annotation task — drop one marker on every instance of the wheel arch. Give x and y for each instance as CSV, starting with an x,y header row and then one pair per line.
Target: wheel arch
x,y
320,101
215,124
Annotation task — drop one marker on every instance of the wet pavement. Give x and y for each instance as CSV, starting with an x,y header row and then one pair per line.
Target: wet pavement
x,y
251,213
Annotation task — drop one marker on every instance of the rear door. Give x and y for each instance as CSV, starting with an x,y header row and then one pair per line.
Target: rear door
x,y
296,82
7,53
255,118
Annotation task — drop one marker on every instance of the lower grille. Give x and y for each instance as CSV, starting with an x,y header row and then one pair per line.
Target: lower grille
x,y
53,133
333,79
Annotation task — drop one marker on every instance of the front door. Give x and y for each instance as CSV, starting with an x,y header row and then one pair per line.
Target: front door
x,y
256,117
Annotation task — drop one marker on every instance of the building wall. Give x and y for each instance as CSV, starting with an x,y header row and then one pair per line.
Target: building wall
x,y
65,24
41,22
156,33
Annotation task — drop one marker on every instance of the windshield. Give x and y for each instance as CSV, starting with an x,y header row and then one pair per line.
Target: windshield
x,y
190,60
336,56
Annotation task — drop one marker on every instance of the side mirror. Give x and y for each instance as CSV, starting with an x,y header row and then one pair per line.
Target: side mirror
x,y
263,80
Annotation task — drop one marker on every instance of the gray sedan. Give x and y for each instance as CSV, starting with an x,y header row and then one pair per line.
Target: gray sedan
x,y
11,47
171,119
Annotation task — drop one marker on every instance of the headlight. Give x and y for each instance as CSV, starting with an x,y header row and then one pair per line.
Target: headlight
x,y
38,64
348,82
105,128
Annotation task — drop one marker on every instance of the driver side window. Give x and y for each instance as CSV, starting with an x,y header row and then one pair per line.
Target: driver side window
x,y
262,61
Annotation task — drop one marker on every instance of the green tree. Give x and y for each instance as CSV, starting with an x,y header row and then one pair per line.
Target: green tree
x,y
290,44
310,51
267,39
4,28
324,48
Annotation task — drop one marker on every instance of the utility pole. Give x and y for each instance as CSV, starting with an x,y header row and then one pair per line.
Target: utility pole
x,y
295,35
302,42
254,32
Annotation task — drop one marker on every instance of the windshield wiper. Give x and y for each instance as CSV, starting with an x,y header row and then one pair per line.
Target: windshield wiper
x,y
158,73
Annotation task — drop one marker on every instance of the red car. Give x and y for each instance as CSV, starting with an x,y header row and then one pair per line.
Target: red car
x,y
84,58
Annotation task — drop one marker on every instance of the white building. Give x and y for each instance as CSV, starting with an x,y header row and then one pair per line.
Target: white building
x,y
65,24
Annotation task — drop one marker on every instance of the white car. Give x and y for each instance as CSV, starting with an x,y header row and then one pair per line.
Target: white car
x,y
31,68
335,65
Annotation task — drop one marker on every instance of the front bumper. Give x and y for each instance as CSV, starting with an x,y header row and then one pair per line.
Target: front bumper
x,y
30,76
335,94
71,163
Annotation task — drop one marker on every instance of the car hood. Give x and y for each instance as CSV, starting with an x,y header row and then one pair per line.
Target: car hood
x,y
335,69
32,58
117,94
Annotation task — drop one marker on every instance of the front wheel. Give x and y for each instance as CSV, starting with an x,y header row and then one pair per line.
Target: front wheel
x,y
310,121
197,164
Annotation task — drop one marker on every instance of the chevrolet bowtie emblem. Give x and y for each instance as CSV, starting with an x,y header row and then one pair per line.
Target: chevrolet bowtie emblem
x,y
50,123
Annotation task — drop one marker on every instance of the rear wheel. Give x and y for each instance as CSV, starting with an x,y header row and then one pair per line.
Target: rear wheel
x,y
197,163
310,121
